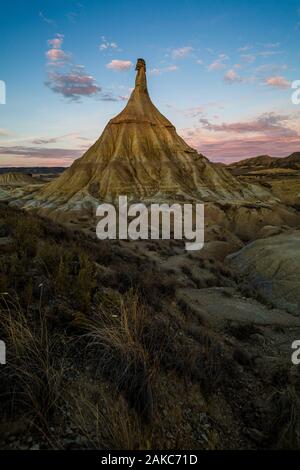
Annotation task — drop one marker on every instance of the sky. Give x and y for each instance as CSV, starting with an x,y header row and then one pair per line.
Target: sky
x,y
221,71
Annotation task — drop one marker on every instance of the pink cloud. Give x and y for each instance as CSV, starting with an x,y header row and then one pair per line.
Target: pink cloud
x,y
71,80
194,112
218,64
232,77
269,133
55,55
278,82
73,85
119,65
37,156
234,149
266,123
56,43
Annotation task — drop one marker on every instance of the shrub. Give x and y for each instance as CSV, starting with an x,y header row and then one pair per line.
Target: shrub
x,y
283,424
115,336
104,420
32,380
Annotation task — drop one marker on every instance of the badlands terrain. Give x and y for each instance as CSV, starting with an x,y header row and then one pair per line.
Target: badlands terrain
x,y
280,175
187,350
142,344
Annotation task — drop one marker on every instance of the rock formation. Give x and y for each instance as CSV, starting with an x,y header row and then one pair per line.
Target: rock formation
x,y
271,267
139,154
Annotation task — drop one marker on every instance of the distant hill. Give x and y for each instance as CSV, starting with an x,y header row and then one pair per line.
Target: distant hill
x,y
265,162
37,170
16,179
261,160
292,161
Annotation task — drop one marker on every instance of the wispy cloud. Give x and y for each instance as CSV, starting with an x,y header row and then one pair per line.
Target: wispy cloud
x,y
194,112
187,112
267,69
231,76
245,48
248,58
269,53
5,133
119,65
272,45
54,140
160,71
268,133
107,46
266,123
269,50
45,141
219,63
181,52
41,152
47,20
111,97
73,15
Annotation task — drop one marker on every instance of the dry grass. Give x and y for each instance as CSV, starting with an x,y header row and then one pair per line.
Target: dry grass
x,y
32,377
105,421
284,418
115,335
137,354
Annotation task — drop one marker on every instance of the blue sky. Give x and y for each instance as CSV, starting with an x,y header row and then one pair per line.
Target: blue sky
x,y
220,71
